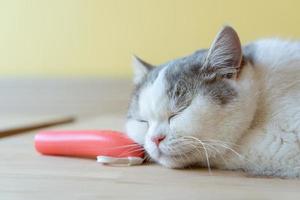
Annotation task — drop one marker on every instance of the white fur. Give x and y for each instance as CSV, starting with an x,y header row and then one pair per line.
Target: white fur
x,y
272,145
259,130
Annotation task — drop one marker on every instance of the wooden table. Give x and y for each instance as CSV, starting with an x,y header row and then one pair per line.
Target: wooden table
x,y
24,174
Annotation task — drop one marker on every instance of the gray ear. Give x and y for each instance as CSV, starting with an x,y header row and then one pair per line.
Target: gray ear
x,y
140,69
225,53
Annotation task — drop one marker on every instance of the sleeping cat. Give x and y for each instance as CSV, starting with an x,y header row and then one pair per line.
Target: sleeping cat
x,y
226,107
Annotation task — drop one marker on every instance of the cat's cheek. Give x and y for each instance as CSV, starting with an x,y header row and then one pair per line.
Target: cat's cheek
x,y
180,124
173,125
136,130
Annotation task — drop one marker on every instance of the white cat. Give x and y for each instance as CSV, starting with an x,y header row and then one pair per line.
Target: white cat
x,y
227,107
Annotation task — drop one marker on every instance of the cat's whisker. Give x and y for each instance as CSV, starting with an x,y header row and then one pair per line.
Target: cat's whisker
x,y
181,154
194,144
133,150
125,146
182,142
220,141
226,147
205,150
146,158
237,154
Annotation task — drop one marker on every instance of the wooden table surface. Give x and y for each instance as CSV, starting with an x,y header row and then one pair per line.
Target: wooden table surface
x,y
24,174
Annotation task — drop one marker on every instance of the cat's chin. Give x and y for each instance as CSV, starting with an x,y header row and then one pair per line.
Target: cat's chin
x,y
172,162
169,163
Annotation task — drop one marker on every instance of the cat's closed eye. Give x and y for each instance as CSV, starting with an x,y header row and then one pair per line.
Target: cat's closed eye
x,y
141,120
229,75
171,117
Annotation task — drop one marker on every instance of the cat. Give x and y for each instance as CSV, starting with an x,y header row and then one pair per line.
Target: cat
x,y
227,107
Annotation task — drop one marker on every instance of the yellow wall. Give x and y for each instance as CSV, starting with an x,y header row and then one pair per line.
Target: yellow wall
x,y
97,37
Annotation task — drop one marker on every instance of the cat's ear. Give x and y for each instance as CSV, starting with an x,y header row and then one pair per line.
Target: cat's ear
x,y
140,69
225,54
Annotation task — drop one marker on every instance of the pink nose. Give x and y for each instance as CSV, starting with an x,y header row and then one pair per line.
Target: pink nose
x,y
158,139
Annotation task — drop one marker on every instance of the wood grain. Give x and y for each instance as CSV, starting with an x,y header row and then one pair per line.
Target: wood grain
x,y
27,175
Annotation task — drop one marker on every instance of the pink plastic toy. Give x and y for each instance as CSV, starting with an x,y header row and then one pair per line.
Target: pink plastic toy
x,y
110,147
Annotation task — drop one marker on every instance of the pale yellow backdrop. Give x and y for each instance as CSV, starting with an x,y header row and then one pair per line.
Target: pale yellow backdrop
x,y
98,37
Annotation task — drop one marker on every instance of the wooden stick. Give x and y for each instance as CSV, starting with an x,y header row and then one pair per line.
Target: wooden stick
x,y
19,130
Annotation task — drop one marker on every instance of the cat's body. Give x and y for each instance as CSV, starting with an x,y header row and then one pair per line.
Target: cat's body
x,y
227,107
271,146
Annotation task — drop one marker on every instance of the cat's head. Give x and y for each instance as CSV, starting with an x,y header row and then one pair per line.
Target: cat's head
x,y
195,106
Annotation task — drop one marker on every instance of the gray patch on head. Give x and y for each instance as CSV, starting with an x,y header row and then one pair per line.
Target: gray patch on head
x,y
220,91
186,77
182,77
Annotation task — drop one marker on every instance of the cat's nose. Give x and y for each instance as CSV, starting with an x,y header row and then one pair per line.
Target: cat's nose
x,y
157,139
